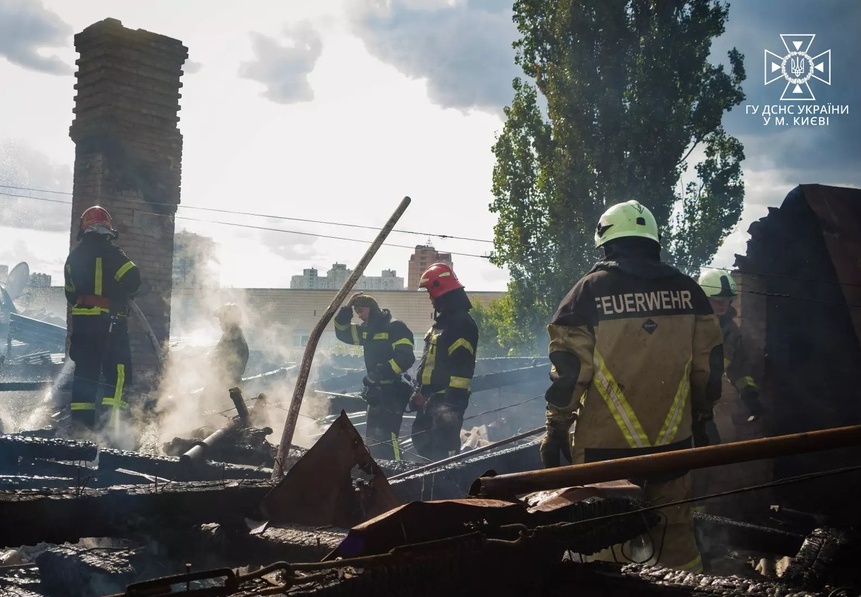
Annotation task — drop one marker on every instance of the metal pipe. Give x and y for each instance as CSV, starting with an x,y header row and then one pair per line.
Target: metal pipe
x,y
314,338
512,484
199,449
465,455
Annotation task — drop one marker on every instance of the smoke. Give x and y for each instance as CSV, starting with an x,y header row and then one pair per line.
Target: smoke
x,y
190,402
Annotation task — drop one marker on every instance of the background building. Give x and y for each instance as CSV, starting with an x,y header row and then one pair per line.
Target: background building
x,y
421,259
338,274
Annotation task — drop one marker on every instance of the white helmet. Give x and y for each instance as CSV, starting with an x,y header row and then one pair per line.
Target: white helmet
x,y
626,219
718,283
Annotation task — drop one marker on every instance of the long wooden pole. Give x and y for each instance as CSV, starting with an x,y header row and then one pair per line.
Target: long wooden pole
x,y
314,338
512,484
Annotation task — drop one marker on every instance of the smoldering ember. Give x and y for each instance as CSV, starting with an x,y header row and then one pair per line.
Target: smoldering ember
x,y
275,485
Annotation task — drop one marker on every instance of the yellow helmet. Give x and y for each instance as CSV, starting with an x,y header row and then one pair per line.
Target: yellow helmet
x,y
626,219
718,283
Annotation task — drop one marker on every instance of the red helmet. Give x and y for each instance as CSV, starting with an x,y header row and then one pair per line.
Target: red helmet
x,y
438,279
96,219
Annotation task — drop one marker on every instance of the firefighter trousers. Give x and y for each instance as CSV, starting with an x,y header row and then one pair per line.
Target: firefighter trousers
x,y
383,428
102,372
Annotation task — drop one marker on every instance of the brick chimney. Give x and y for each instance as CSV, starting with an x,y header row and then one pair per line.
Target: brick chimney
x,y
128,153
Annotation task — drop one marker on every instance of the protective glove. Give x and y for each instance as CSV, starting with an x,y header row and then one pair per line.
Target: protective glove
x,y
750,398
417,401
704,430
557,440
371,390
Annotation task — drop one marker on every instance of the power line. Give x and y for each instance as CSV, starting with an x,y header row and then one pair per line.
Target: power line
x,y
244,213
314,234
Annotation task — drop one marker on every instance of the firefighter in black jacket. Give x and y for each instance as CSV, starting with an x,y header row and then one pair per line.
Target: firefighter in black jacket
x,y
99,281
446,367
389,352
637,361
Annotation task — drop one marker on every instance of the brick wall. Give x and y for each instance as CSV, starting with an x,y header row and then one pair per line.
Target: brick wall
x,y
128,152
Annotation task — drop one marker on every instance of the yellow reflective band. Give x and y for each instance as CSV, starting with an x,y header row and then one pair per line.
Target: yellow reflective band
x,y
89,310
461,383
695,565
354,332
461,342
396,446
674,417
381,336
444,274
116,401
122,271
406,341
746,382
82,406
341,326
430,359
726,362
97,283
622,412
395,367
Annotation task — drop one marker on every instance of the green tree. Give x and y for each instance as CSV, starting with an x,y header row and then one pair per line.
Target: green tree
x,y
498,332
627,98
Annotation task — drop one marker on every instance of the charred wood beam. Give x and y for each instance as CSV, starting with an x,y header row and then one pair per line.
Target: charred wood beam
x,y
170,467
56,516
13,447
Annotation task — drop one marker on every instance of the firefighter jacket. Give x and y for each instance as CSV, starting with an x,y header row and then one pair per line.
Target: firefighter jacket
x,y
388,343
99,280
735,357
636,347
230,356
448,361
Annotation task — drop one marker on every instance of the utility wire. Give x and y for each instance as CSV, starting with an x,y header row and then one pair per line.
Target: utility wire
x,y
243,213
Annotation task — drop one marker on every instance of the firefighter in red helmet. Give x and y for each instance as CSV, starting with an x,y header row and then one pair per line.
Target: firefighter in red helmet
x,y
446,367
99,281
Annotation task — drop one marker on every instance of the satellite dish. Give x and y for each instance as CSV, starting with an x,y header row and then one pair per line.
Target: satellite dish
x,y
17,280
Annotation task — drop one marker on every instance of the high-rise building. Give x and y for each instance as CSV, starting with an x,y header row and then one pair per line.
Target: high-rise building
x,y
422,258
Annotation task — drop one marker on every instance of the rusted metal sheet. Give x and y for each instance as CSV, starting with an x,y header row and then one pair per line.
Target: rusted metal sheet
x,y
319,490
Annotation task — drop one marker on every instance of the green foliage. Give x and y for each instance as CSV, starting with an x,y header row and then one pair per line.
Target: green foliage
x,y
499,332
630,97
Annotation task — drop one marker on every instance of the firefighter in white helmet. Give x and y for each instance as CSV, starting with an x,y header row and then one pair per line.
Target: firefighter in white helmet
x,y
637,361
721,289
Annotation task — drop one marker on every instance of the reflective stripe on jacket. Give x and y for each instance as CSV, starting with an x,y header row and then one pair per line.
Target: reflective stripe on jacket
x,y
448,360
389,345
648,355
739,369
99,277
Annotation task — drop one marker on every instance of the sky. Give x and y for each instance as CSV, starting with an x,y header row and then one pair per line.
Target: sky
x,y
326,112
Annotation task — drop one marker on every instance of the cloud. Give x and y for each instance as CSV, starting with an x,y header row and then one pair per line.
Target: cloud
x,y
462,49
25,175
25,28
283,64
